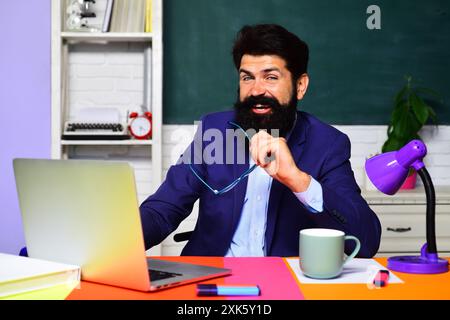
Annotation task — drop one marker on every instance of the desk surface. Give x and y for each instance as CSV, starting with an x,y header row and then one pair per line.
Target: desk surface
x,y
271,274
277,282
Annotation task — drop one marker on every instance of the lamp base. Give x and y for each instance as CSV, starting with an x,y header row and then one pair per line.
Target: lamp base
x,y
426,263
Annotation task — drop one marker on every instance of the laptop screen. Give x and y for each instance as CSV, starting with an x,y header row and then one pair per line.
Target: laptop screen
x,y
84,212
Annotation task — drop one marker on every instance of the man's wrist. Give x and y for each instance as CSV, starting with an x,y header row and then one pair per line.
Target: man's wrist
x,y
299,181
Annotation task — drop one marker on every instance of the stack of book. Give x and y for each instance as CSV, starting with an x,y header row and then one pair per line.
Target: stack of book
x,y
20,274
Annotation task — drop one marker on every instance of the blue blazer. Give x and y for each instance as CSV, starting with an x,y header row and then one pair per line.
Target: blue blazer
x,y
317,148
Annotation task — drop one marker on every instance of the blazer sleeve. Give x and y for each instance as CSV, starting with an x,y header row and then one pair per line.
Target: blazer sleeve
x,y
342,199
162,212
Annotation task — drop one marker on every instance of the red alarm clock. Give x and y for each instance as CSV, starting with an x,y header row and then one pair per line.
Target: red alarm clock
x,y
141,126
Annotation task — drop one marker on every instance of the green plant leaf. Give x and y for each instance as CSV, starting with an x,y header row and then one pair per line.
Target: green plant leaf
x,y
414,127
401,126
399,96
398,112
392,144
419,108
398,128
410,112
406,128
389,130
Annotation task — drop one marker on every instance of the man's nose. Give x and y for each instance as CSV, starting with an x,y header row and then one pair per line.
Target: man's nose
x,y
258,88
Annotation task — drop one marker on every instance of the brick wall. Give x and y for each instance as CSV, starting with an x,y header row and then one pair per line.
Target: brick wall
x,y
109,75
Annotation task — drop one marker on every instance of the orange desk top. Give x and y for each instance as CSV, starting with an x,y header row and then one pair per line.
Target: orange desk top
x,y
414,287
277,282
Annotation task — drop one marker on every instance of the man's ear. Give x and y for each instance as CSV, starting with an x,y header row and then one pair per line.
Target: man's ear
x,y
302,86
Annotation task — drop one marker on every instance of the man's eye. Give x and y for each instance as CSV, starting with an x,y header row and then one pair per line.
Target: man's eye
x,y
272,78
246,78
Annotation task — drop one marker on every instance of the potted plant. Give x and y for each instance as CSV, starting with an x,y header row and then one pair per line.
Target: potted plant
x,y
410,113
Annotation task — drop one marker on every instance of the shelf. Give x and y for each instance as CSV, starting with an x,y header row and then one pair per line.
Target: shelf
x,y
135,59
106,36
106,142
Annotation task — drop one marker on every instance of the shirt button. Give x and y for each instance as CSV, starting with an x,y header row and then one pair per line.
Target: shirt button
x,y
258,198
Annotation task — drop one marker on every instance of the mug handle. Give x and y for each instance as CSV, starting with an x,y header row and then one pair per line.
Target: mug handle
x,y
355,251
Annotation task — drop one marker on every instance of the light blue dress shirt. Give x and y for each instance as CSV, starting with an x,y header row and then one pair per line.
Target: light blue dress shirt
x,y
248,240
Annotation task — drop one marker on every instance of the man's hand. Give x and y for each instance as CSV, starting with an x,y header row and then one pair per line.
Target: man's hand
x,y
264,147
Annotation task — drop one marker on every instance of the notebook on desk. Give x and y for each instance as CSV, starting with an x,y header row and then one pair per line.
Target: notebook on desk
x,y
86,213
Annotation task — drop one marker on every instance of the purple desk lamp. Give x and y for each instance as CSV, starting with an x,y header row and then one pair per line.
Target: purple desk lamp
x,y
387,172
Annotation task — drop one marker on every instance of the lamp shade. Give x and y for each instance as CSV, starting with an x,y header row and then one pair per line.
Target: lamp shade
x,y
388,171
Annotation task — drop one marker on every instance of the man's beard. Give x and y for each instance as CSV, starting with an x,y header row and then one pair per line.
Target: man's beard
x,y
281,117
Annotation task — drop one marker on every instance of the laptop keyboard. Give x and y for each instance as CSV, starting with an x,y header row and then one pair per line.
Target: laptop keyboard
x,y
159,275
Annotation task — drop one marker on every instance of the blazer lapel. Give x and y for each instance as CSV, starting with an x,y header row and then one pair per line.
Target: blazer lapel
x,y
297,138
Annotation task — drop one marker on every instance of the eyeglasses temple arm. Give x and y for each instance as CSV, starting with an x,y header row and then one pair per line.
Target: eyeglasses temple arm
x,y
203,181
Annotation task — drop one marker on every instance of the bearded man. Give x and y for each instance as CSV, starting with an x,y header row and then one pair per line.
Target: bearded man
x,y
298,178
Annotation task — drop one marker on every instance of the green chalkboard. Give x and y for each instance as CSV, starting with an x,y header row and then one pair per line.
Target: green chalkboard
x,y
354,72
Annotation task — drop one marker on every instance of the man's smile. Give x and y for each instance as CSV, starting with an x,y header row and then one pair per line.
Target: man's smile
x,y
261,109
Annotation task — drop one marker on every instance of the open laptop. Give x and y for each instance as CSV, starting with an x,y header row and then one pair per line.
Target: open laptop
x,y
85,212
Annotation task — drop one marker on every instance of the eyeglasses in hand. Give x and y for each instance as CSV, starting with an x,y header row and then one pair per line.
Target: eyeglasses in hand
x,y
235,182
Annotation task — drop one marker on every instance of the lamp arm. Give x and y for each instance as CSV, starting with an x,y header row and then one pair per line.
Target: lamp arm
x,y
431,209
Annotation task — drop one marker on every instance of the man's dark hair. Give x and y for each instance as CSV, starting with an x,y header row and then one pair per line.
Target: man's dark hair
x,y
272,39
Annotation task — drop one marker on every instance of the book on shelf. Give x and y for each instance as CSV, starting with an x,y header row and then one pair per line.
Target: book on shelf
x,y
139,17
124,16
148,15
22,274
128,16
107,17
135,18
115,16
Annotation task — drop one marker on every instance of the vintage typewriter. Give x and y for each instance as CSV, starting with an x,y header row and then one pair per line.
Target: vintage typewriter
x,y
96,124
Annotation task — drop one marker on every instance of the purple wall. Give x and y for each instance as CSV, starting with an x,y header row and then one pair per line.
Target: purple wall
x,y
25,98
